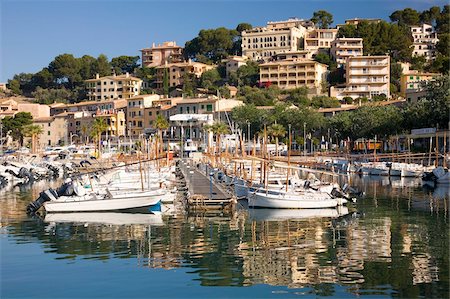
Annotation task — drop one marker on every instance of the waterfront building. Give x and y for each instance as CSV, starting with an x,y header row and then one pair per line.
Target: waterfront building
x,y
167,52
412,81
342,48
289,74
232,63
113,87
190,115
176,72
319,39
261,43
366,76
54,130
135,113
425,40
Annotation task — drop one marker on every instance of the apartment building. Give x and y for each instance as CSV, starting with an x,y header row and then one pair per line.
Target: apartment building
x,y
366,76
54,130
232,63
411,81
289,74
135,113
342,48
113,87
300,54
261,43
425,40
167,52
318,39
177,71
159,107
89,106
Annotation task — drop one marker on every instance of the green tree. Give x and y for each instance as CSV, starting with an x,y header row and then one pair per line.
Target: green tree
x,y
14,86
213,44
50,96
248,74
15,124
324,102
125,64
430,16
396,73
243,27
66,70
32,131
102,66
210,79
218,129
160,124
298,96
248,113
322,18
407,16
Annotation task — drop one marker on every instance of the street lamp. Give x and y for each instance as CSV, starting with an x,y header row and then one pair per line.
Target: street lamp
x,y
248,135
304,138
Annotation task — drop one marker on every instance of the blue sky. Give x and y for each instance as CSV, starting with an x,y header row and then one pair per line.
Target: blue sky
x,y
33,32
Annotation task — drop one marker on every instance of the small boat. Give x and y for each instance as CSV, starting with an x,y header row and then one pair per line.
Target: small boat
x,y
293,200
72,197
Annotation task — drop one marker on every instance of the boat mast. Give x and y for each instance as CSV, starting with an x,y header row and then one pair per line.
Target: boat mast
x,y
289,159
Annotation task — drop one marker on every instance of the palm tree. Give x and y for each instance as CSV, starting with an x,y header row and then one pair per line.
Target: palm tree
x,y
32,131
276,130
161,124
218,129
98,127
85,132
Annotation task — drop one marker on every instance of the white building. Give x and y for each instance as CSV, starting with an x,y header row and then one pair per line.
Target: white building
x,y
113,87
366,76
318,39
425,40
342,48
261,43
232,63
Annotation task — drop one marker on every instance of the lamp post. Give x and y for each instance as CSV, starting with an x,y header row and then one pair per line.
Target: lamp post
x,y
304,139
248,136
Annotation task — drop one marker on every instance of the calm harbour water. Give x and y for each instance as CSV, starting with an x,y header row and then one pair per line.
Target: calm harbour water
x,y
393,243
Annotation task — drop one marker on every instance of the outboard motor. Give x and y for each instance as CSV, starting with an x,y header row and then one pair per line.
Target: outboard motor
x,y
44,196
307,185
3,181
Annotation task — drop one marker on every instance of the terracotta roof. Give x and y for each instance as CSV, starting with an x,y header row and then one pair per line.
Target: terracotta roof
x,y
114,78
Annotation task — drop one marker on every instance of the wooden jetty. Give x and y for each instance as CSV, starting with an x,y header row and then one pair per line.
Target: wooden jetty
x,y
204,193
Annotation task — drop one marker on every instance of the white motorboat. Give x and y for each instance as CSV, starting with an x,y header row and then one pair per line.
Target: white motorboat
x,y
106,218
293,200
72,197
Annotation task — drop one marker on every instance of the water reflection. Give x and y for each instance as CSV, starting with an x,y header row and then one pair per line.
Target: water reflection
x,y
393,241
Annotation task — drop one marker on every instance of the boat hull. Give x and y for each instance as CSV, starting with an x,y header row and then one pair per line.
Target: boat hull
x,y
287,201
82,204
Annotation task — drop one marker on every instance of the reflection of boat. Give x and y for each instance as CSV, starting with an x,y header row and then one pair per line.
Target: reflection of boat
x,y
285,214
106,218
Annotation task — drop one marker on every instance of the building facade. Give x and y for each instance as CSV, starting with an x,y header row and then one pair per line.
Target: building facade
x,y
232,63
54,130
366,76
412,81
176,72
14,105
167,52
318,39
135,113
342,48
289,74
113,87
425,40
261,43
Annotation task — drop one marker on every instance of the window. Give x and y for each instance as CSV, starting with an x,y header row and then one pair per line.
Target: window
x,y
104,83
411,77
181,109
209,108
187,109
48,133
149,113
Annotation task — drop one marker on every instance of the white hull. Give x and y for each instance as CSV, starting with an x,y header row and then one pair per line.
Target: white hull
x,y
117,202
106,218
306,200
